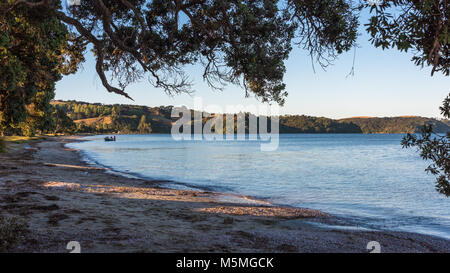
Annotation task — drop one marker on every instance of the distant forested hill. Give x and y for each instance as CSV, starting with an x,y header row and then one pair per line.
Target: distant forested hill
x,y
82,117
410,124
307,124
117,118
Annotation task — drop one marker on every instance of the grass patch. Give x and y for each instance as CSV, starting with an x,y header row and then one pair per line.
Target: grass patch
x,y
12,232
19,139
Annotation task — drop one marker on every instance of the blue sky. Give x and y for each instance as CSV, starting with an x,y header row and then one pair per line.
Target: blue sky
x,y
385,83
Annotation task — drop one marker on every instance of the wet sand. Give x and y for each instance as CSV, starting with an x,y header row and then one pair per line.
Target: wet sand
x,y
63,199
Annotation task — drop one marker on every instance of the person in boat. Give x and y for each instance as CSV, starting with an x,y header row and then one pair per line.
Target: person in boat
x,y
109,138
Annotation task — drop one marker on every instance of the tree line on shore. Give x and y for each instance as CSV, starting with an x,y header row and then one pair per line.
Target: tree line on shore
x,y
73,117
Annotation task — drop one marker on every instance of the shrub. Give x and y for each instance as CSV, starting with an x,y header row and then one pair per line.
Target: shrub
x,y
2,145
12,232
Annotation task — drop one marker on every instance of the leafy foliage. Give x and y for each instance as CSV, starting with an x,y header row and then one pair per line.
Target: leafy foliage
x,y
396,125
325,28
436,148
307,124
144,127
33,54
63,123
100,118
421,26
2,145
237,41
12,232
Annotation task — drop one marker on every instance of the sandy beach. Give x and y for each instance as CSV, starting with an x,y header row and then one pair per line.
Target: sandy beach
x,y
64,199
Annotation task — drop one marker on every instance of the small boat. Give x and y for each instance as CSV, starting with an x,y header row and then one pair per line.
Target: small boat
x,y
110,138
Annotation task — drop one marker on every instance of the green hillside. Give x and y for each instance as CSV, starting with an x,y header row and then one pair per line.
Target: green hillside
x,y
82,117
389,125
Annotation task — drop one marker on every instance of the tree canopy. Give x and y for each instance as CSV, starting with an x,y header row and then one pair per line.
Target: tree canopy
x,y
34,53
419,25
238,41
436,148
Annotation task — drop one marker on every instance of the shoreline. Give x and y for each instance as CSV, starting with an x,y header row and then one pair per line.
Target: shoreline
x,y
65,199
172,184
343,221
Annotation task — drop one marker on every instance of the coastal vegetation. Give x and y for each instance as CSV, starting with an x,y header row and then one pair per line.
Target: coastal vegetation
x,y
15,139
73,117
394,125
436,148
35,52
12,232
2,145
82,117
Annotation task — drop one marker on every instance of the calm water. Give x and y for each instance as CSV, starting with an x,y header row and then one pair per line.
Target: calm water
x,y
367,179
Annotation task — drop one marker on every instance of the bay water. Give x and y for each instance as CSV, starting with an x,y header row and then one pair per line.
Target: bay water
x,y
367,179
